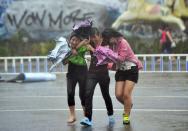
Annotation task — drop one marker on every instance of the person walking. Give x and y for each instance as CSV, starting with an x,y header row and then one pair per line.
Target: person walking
x,y
127,69
167,43
97,74
77,73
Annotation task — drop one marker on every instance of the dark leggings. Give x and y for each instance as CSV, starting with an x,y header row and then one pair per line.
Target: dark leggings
x,y
71,85
104,81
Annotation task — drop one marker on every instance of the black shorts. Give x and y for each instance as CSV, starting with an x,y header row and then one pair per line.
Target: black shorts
x,y
132,74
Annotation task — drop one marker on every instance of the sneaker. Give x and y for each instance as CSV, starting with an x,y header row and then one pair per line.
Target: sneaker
x,y
86,122
111,120
126,119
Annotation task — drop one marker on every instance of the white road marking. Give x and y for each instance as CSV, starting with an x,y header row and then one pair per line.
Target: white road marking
x,y
79,109
96,96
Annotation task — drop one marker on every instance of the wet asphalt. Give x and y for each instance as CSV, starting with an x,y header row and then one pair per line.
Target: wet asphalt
x,y
160,104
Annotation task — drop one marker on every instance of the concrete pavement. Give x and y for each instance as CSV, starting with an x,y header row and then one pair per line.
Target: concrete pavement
x,y
160,104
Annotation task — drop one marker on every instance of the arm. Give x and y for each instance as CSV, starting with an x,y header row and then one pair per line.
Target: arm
x,y
118,55
121,52
90,48
169,36
83,42
66,58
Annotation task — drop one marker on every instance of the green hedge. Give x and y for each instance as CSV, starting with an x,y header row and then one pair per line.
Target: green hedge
x,y
17,47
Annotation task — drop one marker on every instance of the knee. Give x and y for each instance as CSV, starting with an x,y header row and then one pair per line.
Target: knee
x,y
126,96
119,96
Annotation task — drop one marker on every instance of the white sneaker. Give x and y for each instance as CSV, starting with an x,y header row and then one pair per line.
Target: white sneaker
x,y
111,120
86,122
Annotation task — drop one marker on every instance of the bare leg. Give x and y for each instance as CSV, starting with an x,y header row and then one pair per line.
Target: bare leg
x,y
128,96
119,89
72,116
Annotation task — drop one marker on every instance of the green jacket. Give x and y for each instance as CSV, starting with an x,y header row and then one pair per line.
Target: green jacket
x,y
79,59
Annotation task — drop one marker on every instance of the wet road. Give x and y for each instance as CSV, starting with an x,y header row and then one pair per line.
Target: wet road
x,y
160,104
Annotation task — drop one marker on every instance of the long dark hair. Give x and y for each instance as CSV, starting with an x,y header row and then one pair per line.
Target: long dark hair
x,y
108,33
95,31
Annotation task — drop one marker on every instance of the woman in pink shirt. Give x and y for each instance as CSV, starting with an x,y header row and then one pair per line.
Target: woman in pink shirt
x,y
127,69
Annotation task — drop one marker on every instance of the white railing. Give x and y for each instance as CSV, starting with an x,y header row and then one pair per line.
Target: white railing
x,y
164,62
151,63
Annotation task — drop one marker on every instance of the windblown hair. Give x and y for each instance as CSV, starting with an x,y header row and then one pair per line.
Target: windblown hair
x,y
83,28
108,33
95,31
